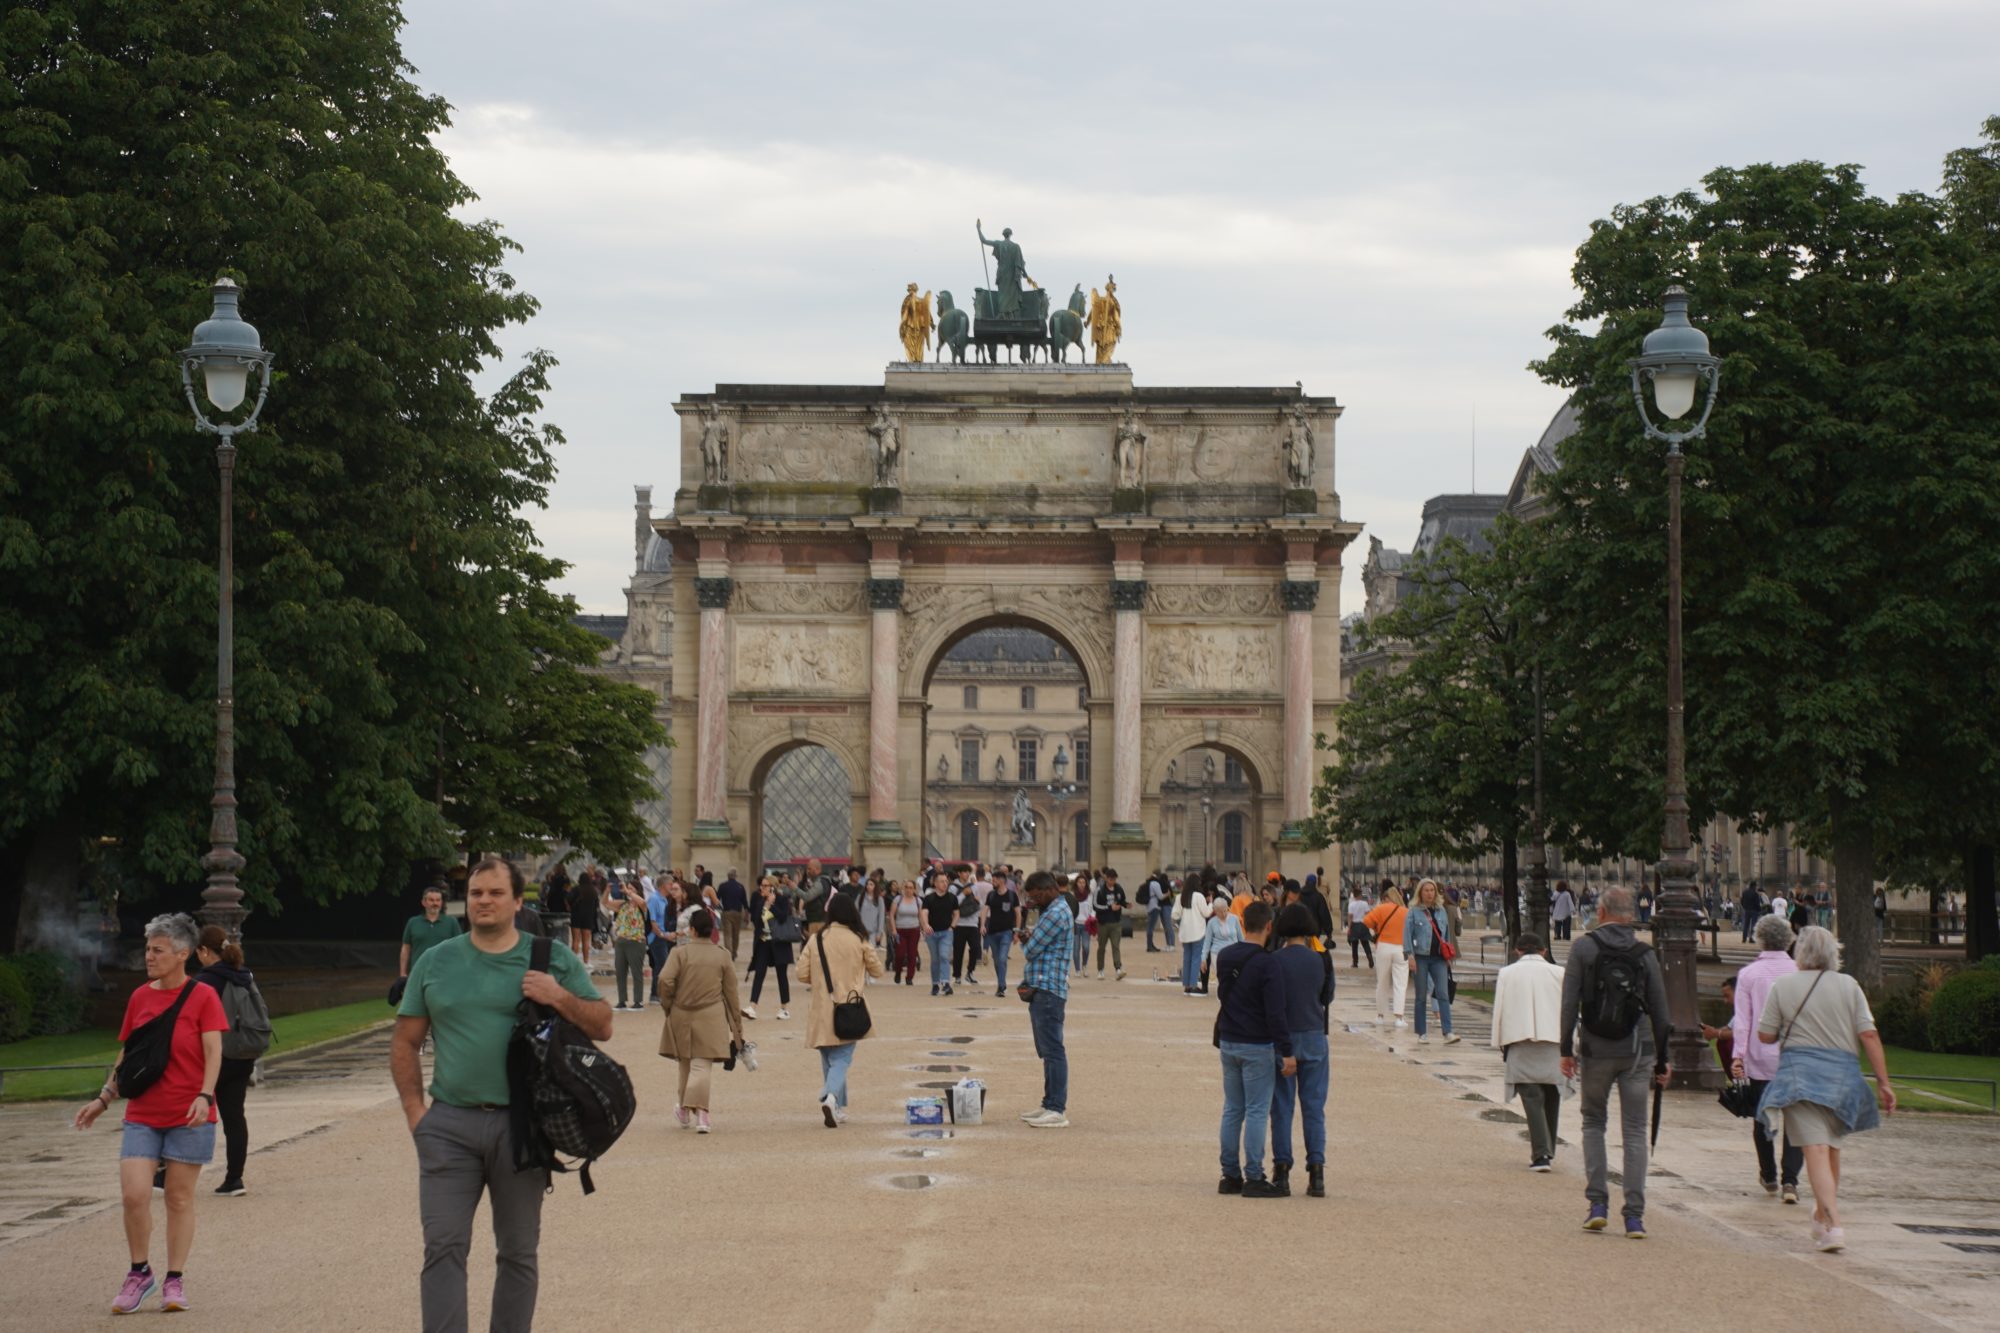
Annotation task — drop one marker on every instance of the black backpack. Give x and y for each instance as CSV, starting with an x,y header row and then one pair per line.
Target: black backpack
x,y
566,1097
1614,991
150,1048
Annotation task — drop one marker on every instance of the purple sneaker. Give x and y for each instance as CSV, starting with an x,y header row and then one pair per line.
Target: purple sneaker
x,y
138,1286
173,1296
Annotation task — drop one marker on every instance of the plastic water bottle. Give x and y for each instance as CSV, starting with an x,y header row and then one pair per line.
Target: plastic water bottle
x,y
750,1055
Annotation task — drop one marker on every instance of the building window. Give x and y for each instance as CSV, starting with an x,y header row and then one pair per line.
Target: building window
x,y
968,761
1081,745
1026,751
972,696
1232,839
1027,698
1079,848
1232,772
1082,696
968,836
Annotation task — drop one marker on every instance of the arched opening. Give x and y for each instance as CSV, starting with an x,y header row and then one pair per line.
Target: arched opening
x,y
802,806
1007,715
1212,812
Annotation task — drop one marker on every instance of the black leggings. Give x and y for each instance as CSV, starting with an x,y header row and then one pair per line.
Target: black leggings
x,y
764,955
1357,942
964,951
231,1085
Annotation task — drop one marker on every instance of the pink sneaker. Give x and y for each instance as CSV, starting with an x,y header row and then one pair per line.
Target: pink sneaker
x,y
682,1118
701,1122
172,1295
138,1286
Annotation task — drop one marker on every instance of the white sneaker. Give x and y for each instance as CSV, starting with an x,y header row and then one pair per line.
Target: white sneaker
x,y
784,1013
1832,1240
840,1114
1034,1114
749,1011
1422,1037
1400,1025
1120,976
829,1111
1049,1120
1451,1039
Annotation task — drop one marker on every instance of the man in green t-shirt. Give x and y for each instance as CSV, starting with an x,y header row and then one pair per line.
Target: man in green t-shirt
x,y
425,931
463,993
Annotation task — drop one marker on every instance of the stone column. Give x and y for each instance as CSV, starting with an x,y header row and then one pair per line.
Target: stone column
x,y
1128,600
712,705
1300,597
885,600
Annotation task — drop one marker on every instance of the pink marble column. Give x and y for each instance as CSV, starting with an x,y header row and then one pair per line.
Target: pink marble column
x,y
886,624
1298,715
1126,648
712,704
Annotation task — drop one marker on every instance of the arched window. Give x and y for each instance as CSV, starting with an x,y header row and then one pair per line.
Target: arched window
x,y
1027,698
1083,696
1081,745
1232,772
968,836
972,696
1079,847
1232,838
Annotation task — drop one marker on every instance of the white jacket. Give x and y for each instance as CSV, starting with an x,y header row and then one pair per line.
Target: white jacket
x,y
1527,1002
1191,922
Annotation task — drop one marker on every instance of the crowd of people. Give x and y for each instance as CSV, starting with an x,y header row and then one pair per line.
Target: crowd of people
x,y
1591,1027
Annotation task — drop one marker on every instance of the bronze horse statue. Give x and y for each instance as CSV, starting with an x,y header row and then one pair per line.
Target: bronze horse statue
x,y
1066,327
954,328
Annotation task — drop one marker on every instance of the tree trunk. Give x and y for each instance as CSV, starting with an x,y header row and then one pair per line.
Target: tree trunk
x,y
1510,879
1982,912
1854,896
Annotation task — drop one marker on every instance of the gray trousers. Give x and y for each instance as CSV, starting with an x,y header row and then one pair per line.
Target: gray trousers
x,y
629,959
1633,1078
1542,1104
463,1152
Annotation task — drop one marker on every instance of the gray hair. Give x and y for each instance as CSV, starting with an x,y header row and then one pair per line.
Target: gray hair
x,y
1615,905
1774,933
177,929
1817,950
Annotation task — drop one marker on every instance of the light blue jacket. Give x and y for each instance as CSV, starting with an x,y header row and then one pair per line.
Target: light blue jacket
x,y
1418,937
1223,930
1824,1076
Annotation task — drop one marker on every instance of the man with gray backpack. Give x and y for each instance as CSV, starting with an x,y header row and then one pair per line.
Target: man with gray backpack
x,y
1614,990
248,1037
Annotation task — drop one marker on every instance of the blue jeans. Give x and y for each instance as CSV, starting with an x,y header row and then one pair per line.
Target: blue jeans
x,y
1249,1072
1045,1015
939,942
833,1063
1153,918
1306,1089
1191,966
998,943
1433,975
1082,953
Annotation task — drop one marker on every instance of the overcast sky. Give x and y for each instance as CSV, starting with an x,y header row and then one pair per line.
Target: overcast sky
x,y
1381,201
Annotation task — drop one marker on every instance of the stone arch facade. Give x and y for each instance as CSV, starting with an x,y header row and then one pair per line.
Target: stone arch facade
x,y
817,580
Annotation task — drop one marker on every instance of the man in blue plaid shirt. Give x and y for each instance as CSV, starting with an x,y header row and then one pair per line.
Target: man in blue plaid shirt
x,y
1045,984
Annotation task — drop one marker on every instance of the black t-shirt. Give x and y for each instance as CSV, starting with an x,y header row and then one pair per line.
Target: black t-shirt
x,y
940,910
1001,906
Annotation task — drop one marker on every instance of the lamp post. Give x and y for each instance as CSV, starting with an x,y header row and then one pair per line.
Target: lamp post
x,y
1060,792
1675,360
225,350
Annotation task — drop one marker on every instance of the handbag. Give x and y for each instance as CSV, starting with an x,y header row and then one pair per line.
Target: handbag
x,y
150,1047
1739,1099
787,931
850,1016
1445,948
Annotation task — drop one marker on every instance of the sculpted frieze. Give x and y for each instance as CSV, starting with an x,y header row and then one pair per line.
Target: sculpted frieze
x,y
1220,659
798,598
801,657
1213,599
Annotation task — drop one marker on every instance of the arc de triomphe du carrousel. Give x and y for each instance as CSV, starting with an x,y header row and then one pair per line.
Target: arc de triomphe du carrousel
x,y
832,542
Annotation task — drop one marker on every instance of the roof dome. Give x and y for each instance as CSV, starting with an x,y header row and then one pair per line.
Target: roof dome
x,y
659,557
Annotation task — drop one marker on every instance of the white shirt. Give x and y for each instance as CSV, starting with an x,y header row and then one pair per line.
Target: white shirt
x,y
1778,906
1357,908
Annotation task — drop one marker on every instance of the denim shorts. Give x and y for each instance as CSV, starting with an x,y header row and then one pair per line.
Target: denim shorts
x,y
182,1143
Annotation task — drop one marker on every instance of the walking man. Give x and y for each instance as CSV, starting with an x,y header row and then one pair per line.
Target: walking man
x,y
1003,918
1614,990
1045,982
1111,903
940,917
425,931
1256,1046
813,888
464,993
734,900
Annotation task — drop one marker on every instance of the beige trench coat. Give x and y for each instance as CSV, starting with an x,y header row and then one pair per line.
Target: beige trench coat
x,y
698,988
851,962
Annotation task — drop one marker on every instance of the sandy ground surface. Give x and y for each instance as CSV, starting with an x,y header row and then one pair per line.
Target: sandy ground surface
x,y
774,1221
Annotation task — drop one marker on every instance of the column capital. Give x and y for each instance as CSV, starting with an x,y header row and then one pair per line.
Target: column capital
x,y
885,594
713,594
1128,594
1299,594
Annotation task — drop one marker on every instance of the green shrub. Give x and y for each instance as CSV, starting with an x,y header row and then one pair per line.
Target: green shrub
x,y
55,996
1900,1018
1990,963
16,1007
1965,1014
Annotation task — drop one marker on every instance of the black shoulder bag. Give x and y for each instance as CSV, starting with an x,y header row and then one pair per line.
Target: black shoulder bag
x,y
150,1047
850,1016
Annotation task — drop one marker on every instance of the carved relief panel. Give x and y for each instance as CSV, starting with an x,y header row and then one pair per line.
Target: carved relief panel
x,y
802,656
1219,659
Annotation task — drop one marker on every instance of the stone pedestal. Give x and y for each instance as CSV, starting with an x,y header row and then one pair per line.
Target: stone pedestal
x,y
1023,857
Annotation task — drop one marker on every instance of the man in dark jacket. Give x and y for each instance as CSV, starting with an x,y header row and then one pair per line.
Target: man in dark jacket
x,y
1110,902
1252,1032
1603,965
1308,980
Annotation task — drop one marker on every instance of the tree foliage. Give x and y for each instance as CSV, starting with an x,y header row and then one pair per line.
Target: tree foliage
x,y
391,600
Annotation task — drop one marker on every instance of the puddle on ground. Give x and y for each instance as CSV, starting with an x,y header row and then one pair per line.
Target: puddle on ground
x,y
912,1182
920,1152
1473,1097
939,1083
932,1132
1501,1116
939,1069
955,1041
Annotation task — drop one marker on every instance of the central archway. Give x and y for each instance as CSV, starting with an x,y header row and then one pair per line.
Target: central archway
x,y
802,802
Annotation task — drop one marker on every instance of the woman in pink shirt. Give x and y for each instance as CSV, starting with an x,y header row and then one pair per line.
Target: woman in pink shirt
x,y
1758,1061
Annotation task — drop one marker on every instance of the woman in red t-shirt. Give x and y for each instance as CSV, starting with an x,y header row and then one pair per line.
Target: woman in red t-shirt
x,y
171,1123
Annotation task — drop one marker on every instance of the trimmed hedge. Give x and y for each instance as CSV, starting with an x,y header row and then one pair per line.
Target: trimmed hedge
x,y
54,1001
17,1008
1965,1014
1900,1019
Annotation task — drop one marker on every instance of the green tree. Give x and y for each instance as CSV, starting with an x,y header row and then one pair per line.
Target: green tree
x,y
388,587
1837,513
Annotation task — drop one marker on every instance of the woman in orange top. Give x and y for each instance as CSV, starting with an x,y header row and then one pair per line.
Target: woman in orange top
x,y
1385,922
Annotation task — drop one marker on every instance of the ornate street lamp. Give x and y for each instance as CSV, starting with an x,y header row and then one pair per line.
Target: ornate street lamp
x,y
1059,793
1676,362
224,352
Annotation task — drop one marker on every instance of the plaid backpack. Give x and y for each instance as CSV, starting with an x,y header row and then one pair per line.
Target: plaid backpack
x,y
566,1097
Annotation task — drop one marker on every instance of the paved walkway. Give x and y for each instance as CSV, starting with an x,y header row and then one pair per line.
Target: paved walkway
x,y
775,1222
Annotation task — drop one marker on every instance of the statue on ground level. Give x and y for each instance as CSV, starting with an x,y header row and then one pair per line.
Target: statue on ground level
x,y
1024,818
1106,326
1010,271
1299,451
714,447
1129,452
954,328
888,433
915,325
1066,328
